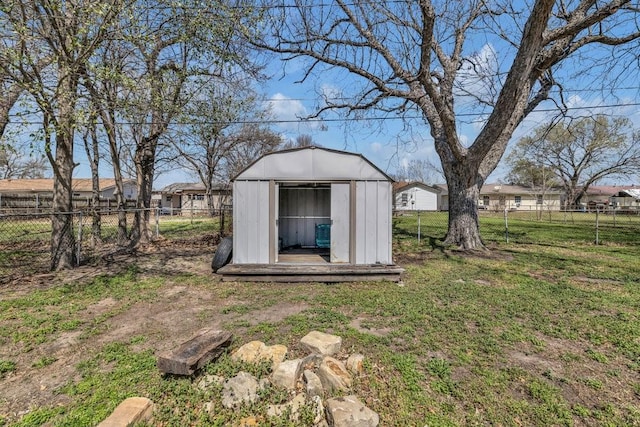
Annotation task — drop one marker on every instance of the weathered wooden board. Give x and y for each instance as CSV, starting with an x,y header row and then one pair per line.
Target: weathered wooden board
x,y
192,355
301,278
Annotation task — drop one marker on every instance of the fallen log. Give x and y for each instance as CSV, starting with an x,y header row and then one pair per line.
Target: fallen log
x,y
192,355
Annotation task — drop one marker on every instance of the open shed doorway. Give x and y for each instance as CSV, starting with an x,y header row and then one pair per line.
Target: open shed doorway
x,y
304,223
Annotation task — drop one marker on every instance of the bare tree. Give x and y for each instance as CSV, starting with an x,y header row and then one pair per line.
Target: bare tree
x,y
418,170
303,140
64,34
209,142
17,164
106,83
579,153
423,56
249,143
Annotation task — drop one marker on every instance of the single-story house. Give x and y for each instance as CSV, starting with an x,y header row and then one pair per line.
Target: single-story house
x,y
38,193
415,196
499,197
311,214
515,197
190,198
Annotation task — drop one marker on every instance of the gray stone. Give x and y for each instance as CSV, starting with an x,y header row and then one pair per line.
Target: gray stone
x,y
319,342
293,407
313,384
313,360
334,375
287,373
355,364
348,411
319,419
240,389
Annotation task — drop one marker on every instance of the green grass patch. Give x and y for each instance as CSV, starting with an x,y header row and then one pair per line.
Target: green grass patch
x,y
526,334
6,366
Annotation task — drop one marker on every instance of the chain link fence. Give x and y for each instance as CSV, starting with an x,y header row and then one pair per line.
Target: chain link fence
x,y
607,226
25,239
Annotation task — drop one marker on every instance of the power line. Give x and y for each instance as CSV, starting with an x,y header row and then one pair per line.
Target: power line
x,y
347,119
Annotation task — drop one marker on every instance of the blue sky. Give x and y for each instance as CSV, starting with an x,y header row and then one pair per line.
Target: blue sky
x,y
387,143
392,142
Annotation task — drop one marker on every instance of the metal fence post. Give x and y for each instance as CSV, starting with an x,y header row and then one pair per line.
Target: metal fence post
x,y
157,221
418,226
79,245
597,226
506,225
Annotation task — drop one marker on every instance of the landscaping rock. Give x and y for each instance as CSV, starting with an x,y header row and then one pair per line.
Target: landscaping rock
x,y
319,420
293,407
355,364
334,375
287,373
250,422
348,411
129,412
240,389
275,353
248,352
319,342
257,351
313,384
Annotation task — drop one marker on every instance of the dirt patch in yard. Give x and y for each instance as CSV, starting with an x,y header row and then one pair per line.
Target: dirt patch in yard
x,y
164,319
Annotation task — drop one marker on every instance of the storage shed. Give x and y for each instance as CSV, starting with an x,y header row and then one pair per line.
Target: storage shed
x,y
321,212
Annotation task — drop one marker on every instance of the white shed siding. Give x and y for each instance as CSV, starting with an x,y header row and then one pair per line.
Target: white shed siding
x,y
283,196
251,222
340,218
373,222
424,200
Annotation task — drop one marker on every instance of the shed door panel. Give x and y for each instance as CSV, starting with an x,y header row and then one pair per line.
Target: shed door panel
x,y
340,218
251,222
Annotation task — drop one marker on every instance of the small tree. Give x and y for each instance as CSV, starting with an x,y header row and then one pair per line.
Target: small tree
x,y
418,170
208,142
18,164
303,140
577,154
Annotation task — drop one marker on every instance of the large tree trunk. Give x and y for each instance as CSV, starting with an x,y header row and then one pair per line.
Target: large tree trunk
x,y
62,239
464,227
145,168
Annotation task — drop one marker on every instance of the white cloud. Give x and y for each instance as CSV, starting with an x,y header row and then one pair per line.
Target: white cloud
x,y
477,75
290,113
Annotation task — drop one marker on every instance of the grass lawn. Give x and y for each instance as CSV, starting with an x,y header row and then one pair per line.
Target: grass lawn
x,y
526,334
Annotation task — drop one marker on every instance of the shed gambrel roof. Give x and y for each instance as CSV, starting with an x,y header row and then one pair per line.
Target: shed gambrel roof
x,y
312,164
